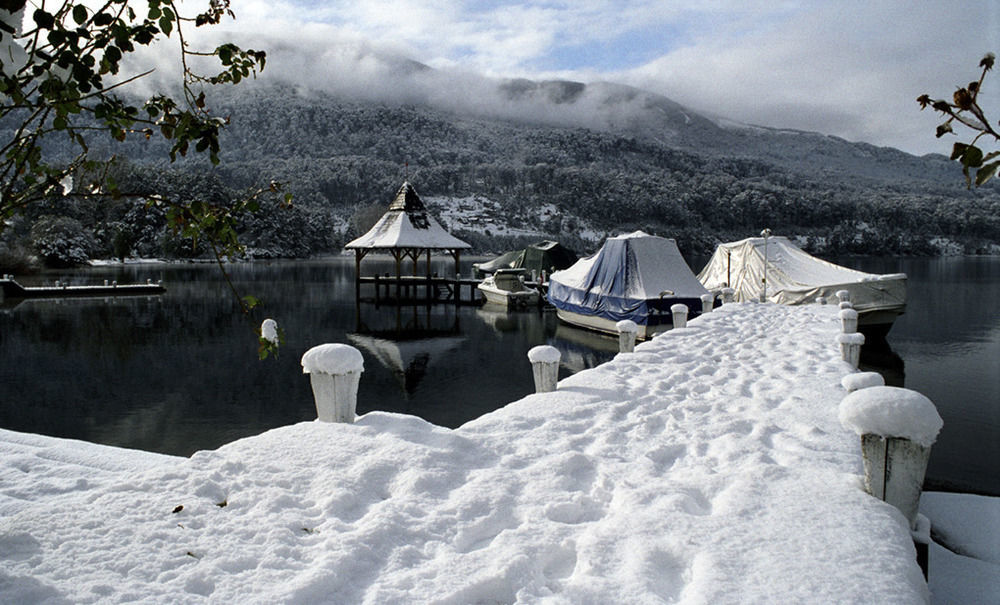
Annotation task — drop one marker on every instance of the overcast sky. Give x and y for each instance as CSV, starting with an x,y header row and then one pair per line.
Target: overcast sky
x,y
851,69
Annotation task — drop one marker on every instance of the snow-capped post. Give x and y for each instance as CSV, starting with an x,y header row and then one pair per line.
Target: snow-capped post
x,y
897,428
545,367
821,300
627,329
843,296
861,380
707,302
680,315
728,295
848,321
850,347
335,372
846,304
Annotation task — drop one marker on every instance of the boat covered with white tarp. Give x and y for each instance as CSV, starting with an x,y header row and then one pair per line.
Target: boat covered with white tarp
x,y
795,277
636,277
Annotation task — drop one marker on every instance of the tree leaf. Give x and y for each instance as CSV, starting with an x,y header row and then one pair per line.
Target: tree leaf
x,y
987,172
79,14
973,157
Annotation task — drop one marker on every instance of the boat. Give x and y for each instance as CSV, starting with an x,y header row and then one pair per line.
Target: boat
x,y
635,276
795,277
539,258
506,288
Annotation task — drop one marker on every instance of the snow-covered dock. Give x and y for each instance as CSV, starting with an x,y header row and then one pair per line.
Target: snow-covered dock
x,y
706,467
11,289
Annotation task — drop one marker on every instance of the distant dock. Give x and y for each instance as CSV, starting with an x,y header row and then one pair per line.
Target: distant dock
x,y
11,290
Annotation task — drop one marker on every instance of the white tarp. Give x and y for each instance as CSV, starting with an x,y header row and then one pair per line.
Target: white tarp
x,y
795,277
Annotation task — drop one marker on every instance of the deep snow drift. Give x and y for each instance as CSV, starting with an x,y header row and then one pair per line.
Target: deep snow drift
x,y
709,466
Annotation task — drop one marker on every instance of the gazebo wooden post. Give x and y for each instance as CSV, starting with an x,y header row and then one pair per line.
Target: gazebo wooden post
x,y
359,254
399,269
458,278
429,288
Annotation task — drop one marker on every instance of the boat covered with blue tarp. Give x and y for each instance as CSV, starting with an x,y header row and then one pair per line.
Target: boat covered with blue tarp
x,y
635,276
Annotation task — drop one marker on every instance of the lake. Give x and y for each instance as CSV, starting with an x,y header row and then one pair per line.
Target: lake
x,y
179,372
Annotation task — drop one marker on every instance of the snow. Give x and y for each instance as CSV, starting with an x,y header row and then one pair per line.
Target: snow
x,y
678,308
544,354
707,467
627,326
854,338
965,552
12,54
332,359
269,330
891,412
861,380
67,184
848,314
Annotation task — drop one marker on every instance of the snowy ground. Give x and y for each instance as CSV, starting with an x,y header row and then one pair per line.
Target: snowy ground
x,y
706,467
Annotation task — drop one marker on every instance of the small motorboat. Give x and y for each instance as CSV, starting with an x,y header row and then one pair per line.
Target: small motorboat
x,y
506,288
635,276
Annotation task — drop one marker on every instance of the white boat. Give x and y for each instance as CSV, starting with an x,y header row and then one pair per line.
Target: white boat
x,y
635,276
506,288
795,277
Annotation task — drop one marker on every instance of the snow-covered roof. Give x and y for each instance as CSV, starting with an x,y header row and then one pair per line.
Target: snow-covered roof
x,y
407,224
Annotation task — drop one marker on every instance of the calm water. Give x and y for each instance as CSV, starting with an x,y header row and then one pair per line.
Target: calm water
x,y
179,372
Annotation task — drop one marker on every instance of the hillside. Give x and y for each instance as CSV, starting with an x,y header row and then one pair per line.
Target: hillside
x,y
562,159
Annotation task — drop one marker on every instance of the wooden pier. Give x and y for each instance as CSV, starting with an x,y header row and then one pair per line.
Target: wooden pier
x,y
10,289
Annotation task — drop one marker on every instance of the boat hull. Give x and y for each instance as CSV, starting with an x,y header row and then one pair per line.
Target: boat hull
x,y
607,326
506,298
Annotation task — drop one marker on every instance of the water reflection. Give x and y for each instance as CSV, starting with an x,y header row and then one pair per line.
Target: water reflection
x,y
179,372
950,339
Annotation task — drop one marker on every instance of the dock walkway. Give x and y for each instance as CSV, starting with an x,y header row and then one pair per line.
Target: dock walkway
x,y
706,467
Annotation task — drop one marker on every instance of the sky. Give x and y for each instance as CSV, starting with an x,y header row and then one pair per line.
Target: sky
x,y
851,69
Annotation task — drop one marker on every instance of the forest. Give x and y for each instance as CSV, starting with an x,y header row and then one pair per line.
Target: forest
x,y
340,159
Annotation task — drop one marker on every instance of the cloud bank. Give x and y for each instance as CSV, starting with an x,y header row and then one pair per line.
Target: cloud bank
x,y
851,69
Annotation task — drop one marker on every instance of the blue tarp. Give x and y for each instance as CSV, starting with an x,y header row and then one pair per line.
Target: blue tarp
x,y
635,276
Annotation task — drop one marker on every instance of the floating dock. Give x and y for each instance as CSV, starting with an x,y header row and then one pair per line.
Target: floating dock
x,y
10,289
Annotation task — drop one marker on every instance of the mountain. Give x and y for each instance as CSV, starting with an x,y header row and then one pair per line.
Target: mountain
x,y
563,159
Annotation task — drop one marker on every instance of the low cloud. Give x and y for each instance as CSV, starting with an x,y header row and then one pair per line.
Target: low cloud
x,y
849,69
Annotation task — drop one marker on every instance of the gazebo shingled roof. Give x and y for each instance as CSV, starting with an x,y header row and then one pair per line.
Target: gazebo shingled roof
x,y
407,225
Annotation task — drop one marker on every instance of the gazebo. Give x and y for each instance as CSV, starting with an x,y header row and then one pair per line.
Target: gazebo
x,y
406,231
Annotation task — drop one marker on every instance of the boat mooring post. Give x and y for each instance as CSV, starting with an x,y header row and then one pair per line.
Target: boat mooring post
x,y
861,380
545,367
843,295
680,315
627,330
850,347
728,295
897,428
335,372
707,302
848,320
